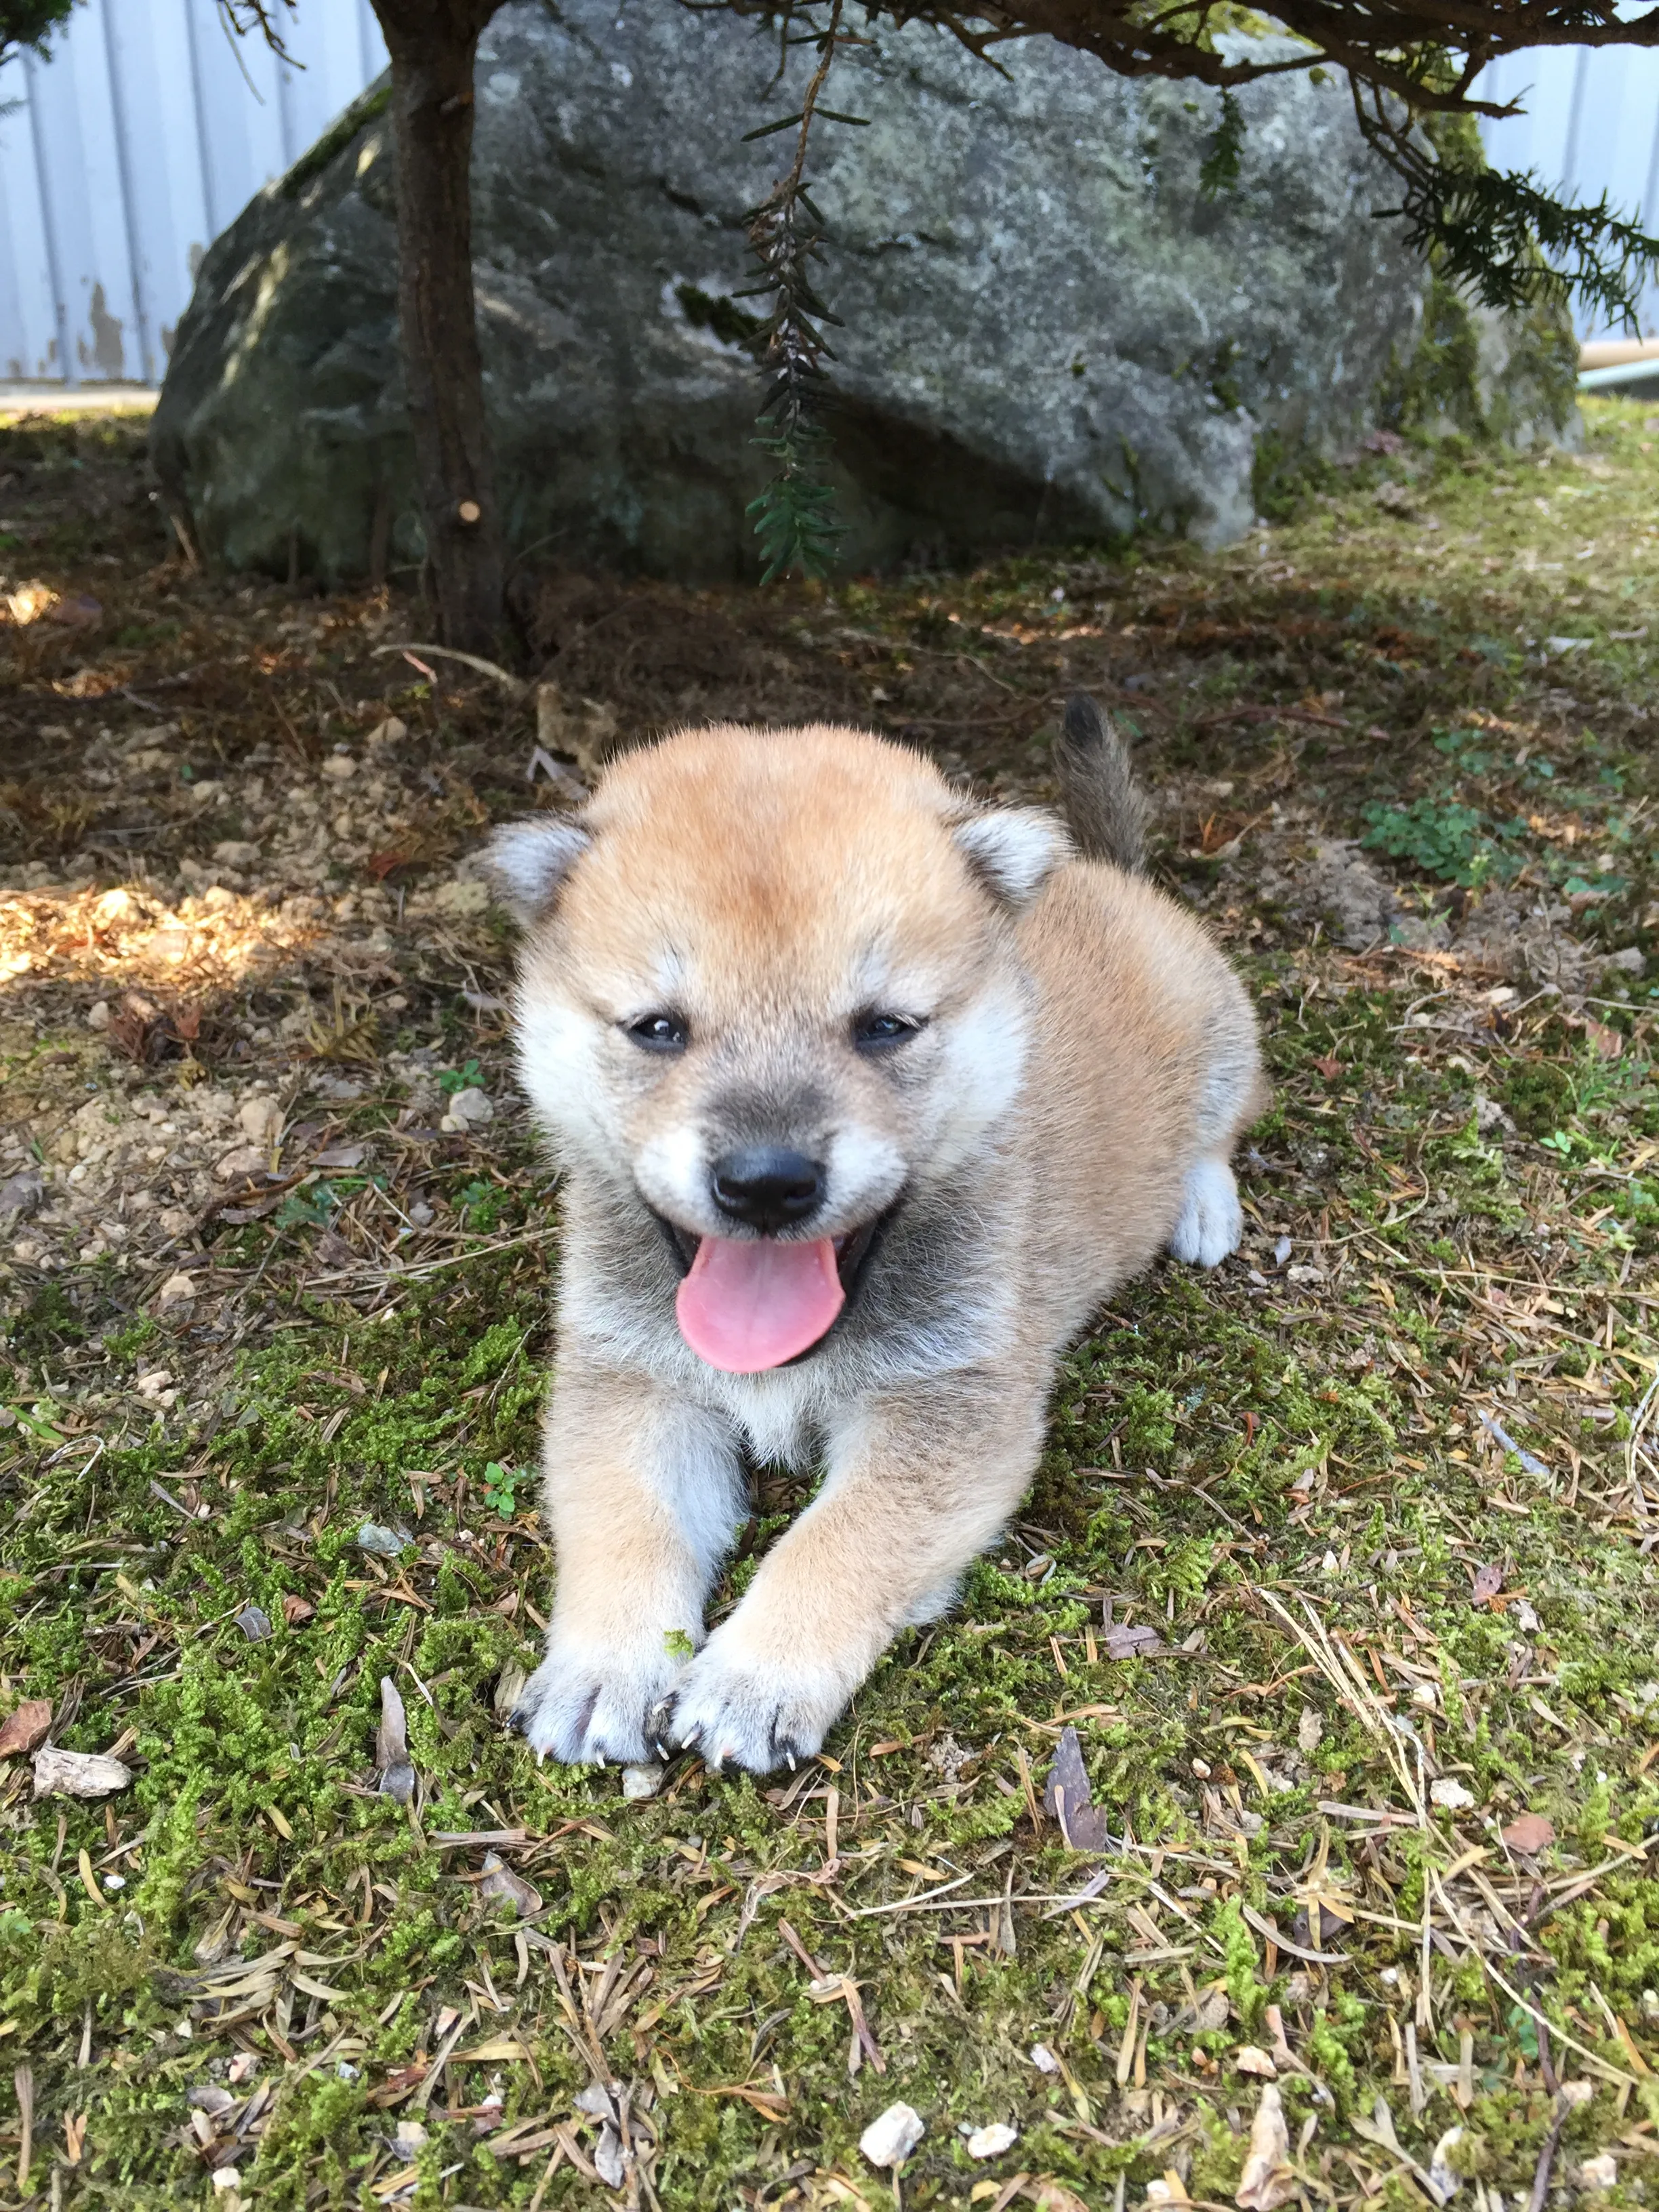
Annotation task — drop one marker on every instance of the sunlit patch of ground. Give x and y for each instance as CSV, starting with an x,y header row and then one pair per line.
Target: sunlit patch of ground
x,y
1341,1562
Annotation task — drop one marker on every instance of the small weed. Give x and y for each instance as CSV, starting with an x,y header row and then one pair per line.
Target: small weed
x,y
501,1486
1455,844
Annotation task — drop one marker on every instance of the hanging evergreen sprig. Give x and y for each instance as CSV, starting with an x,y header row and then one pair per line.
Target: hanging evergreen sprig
x,y
1500,234
794,516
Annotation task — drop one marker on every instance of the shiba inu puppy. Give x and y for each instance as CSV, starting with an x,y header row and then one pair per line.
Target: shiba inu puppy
x,y
866,1097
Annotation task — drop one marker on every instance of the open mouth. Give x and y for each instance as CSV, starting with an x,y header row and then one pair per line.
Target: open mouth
x,y
745,1305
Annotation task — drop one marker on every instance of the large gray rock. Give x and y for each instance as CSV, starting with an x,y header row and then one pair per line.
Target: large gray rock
x,y
1050,333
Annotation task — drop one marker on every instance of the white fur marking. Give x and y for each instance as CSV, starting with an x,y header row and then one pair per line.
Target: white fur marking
x,y
1016,847
672,1169
530,859
1212,1219
867,1171
985,1050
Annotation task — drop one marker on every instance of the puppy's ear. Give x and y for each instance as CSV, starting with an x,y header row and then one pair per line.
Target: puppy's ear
x,y
1012,850
529,860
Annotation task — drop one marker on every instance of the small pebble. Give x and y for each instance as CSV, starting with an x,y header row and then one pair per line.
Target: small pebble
x,y
638,1782
991,2142
385,1543
1044,2059
889,2140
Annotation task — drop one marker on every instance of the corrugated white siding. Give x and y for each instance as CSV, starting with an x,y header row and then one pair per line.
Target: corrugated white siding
x,y
146,134
152,127
1591,125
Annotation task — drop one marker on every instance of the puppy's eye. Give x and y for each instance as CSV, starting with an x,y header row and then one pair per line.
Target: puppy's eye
x,y
660,1032
880,1032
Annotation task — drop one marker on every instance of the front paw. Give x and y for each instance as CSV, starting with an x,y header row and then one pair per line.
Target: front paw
x,y
753,1708
1212,1219
588,1704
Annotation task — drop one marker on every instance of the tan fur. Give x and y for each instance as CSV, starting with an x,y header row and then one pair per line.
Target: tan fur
x,y
1088,1061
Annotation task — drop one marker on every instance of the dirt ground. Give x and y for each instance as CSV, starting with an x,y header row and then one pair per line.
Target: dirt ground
x,y
1339,1576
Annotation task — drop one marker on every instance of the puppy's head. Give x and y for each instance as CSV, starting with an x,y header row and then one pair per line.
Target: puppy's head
x,y
769,984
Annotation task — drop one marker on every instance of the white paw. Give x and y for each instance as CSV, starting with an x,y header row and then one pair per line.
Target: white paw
x,y
744,1707
1212,1219
587,1706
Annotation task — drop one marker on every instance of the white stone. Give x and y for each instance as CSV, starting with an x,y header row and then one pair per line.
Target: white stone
x,y
78,1773
640,1782
1450,1795
1442,2180
245,1160
1043,2059
889,2140
1600,2172
98,1014
261,1119
991,2142
177,1291
470,1109
458,900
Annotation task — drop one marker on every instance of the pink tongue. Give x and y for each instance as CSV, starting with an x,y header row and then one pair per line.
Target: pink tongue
x,y
745,1307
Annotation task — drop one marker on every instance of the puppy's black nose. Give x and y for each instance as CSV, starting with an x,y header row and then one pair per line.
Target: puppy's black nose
x,y
768,1186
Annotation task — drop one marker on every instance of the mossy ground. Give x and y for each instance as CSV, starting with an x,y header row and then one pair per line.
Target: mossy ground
x,y
1452,1204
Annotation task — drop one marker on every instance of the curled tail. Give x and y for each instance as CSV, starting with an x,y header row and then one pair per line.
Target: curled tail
x,y
1104,805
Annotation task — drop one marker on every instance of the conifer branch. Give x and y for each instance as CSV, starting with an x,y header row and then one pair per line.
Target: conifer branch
x,y
794,516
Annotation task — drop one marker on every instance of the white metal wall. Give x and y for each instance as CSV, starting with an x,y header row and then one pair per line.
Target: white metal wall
x,y
152,127
146,134
1591,125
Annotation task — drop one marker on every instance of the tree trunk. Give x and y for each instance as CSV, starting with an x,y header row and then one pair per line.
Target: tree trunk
x,y
432,43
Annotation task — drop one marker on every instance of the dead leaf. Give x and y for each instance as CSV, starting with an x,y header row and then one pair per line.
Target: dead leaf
x,y
499,2048
1066,1797
237,1217
296,1610
1529,1831
1268,2182
1330,1069
1124,1642
78,1773
509,1683
1607,1044
78,611
391,1746
1488,1581
500,1881
1250,2058
1055,2196
26,1728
